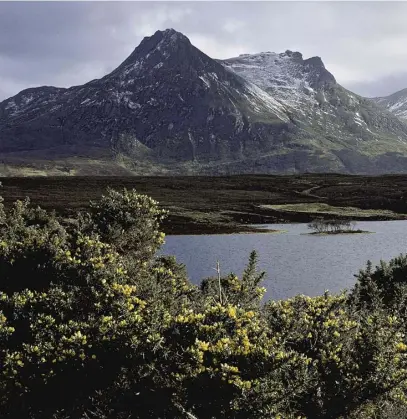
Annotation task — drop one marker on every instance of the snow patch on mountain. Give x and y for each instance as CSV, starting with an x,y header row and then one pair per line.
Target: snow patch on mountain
x,y
280,75
260,100
395,103
206,82
11,105
358,120
309,94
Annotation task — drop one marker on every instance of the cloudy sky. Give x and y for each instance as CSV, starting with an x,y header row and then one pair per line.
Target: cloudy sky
x,y
364,44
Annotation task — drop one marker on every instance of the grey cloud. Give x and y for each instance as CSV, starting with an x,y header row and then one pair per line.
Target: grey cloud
x,y
67,43
381,87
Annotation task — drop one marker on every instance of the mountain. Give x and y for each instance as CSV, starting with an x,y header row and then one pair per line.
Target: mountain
x,y
395,103
169,108
350,131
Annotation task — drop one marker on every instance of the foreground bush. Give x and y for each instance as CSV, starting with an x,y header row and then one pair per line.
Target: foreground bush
x,y
94,325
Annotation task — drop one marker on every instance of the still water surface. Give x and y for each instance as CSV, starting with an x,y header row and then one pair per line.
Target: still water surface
x,y
295,263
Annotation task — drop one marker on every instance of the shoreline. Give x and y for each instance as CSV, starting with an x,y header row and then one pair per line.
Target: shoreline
x,y
338,233
217,230
229,230
226,232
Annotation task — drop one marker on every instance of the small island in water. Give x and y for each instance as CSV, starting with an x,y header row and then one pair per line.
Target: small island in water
x,y
338,226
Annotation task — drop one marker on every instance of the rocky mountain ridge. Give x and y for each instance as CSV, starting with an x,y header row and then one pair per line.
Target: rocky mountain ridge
x,y
169,108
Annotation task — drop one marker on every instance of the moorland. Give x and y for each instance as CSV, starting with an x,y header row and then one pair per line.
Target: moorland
x,y
229,204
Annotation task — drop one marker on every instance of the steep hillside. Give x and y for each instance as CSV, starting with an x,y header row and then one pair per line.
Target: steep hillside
x,y
335,119
169,108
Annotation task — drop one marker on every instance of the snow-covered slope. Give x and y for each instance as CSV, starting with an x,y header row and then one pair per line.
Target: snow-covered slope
x,y
312,97
395,103
286,76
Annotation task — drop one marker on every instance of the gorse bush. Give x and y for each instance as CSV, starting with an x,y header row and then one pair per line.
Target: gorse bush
x,y
128,220
94,325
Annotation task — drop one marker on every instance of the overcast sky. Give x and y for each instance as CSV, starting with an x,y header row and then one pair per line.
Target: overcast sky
x,y
364,44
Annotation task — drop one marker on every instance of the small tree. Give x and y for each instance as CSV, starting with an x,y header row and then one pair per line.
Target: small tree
x,y
318,225
330,226
244,292
386,285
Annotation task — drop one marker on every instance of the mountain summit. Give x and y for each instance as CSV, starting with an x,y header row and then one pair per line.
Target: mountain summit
x,y
169,108
162,47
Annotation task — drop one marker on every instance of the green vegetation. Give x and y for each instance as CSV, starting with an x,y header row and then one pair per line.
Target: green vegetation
x,y
94,325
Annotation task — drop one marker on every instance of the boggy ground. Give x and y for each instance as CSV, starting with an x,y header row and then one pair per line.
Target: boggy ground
x,y
229,204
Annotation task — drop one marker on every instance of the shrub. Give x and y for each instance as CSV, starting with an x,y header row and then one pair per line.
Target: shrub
x,y
245,292
330,226
385,285
94,325
127,220
71,312
354,357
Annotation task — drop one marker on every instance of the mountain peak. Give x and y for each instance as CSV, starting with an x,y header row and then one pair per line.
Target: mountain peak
x,y
163,38
169,35
284,72
155,49
293,54
314,62
170,32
